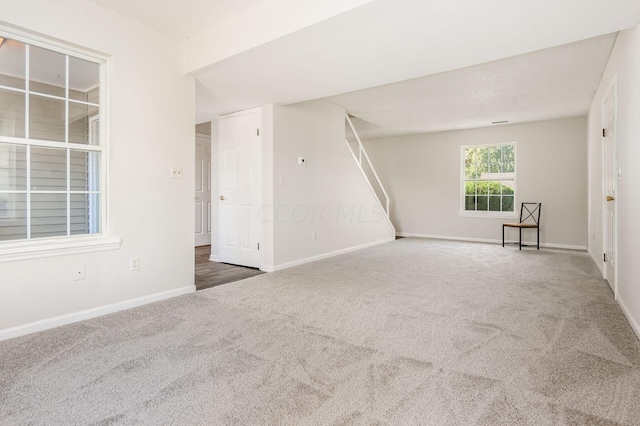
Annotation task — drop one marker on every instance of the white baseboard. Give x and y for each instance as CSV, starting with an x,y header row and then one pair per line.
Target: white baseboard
x,y
632,321
214,258
330,254
267,268
487,240
46,324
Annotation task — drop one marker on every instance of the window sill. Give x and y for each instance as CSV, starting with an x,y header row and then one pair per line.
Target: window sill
x,y
489,215
25,250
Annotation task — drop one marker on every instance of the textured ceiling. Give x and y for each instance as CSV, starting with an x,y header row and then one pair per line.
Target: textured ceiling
x,y
387,41
551,83
183,19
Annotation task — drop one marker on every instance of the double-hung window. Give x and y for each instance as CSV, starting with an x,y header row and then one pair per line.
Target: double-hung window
x,y
489,179
52,153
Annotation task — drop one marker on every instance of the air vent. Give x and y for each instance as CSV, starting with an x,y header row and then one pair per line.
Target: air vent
x,y
500,122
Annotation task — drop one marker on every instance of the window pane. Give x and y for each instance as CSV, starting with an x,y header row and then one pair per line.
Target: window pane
x,y
508,154
12,64
507,203
494,204
85,171
79,123
509,167
84,80
48,215
483,203
470,163
483,187
495,169
48,169
46,71
13,163
85,213
46,118
494,187
13,217
470,203
11,113
508,187
494,154
470,188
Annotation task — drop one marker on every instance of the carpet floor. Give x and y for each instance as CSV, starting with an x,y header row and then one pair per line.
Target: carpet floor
x,y
413,332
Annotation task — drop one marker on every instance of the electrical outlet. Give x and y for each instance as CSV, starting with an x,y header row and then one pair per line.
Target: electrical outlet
x,y
314,235
282,181
78,272
176,172
134,263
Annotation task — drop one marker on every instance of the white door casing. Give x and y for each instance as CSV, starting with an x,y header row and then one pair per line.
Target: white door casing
x,y
610,181
240,186
203,191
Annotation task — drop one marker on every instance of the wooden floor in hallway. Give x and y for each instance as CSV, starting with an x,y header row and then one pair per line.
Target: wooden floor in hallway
x,y
210,274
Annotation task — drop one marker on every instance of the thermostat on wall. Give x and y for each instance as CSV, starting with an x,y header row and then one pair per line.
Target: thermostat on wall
x,y
301,160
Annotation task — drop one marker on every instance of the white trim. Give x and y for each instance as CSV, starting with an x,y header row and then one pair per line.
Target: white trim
x,y
488,214
214,258
50,43
267,268
47,247
488,240
47,324
627,313
325,255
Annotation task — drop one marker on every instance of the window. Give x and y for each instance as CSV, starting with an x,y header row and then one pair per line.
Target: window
x,y
52,155
489,179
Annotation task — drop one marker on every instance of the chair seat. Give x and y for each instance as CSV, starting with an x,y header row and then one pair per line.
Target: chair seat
x,y
520,225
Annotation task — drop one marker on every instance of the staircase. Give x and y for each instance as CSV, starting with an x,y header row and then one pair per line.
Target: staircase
x,y
366,167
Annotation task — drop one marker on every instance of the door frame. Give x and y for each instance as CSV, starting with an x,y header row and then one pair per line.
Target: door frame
x,y
612,90
258,222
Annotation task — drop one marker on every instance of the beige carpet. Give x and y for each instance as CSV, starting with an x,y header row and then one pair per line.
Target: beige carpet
x,y
414,332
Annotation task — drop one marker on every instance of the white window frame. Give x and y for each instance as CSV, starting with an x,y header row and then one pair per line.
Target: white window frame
x,y
24,249
489,214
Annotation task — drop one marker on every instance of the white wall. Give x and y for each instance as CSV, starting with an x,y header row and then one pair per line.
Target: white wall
x,y
422,176
327,195
625,64
151,116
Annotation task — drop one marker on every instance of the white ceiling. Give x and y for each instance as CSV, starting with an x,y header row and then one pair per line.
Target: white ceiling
x,y
184,18
551,83
379,42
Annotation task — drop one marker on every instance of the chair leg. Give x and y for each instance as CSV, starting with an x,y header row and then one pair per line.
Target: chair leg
x,y
502,235
538,229
520,240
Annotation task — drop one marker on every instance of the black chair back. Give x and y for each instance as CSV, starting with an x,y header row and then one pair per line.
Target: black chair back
x,y
530,211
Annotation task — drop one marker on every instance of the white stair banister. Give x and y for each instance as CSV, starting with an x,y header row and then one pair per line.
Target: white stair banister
x,y
362,154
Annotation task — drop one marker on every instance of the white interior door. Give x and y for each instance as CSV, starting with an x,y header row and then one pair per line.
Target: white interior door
x,y
240,186
203,191
610,186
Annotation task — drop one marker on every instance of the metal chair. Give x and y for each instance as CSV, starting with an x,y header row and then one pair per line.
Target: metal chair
x,y
529,219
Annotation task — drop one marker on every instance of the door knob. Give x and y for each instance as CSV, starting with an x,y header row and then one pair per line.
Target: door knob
x,y
222,197
610,198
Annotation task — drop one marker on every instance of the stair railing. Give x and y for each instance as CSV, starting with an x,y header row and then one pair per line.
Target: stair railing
x,y
359,157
